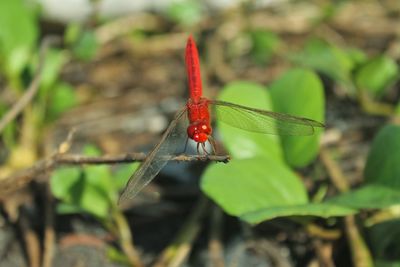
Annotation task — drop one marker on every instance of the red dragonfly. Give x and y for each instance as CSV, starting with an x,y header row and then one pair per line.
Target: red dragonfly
x,y
199,129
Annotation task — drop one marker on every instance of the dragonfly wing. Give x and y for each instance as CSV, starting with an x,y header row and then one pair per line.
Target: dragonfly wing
x,y
157,158
263,121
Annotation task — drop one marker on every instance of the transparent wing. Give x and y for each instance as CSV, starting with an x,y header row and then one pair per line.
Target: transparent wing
x,y
263,121
157,158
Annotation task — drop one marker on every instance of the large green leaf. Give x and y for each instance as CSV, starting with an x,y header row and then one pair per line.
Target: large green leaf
x,y
18,34
324,210
241,143
383,163
299,92
385,243
247,185
371,196
262,188
376,74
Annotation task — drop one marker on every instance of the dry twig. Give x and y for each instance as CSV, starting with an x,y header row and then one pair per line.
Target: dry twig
x,y
21,178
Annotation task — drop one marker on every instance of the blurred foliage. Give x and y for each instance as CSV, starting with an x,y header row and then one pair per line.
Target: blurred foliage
x,y
91,189
377,74
327,59
18,37
264,45
262,180
384,239
185,13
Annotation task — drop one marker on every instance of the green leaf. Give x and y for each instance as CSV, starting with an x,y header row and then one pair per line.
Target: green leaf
x,y
241,143
65,208
299,92
54,61
86,47
265,44
387,263
326,58
356,55
91,191
123,173
371,196
384,239
246,185
62,182
324,210
72,33
18,35
62,99
94,200
74,189
186,12
99,176
377,74
382,165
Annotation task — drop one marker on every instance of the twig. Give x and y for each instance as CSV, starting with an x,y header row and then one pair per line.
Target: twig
x,y
360,253
175,254
335,173
21,178
32,243
324,253
33,88
49,233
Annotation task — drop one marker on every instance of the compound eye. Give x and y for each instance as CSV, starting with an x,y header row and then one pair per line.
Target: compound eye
x,y
200,137
191,131
205,128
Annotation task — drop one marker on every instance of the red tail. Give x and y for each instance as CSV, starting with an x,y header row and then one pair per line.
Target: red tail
x,y
193,70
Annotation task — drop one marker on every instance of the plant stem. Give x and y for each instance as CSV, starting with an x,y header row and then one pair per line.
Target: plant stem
x,y
125,238
360,253
175,254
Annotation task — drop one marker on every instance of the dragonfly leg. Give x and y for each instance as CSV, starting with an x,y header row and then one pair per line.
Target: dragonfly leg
x,y
197,147
213,144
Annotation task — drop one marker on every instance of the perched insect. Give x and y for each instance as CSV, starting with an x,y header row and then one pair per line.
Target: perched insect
x,y
199,129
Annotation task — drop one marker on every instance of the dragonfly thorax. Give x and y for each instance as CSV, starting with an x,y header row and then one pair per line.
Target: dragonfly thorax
x,y
199,128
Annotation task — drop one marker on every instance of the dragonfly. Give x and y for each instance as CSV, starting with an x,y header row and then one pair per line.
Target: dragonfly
x,y
196,114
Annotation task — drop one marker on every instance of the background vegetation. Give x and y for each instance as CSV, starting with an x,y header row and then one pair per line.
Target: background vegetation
x,y
82,99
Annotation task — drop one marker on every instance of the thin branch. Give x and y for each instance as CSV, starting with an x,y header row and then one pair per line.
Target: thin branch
x,y
32,242
49,232
33,88
21,178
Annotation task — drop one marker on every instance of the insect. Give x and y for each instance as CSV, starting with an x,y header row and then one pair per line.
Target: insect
x,y
197,111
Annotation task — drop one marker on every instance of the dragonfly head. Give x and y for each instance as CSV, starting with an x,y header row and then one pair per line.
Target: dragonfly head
x,y
199,131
